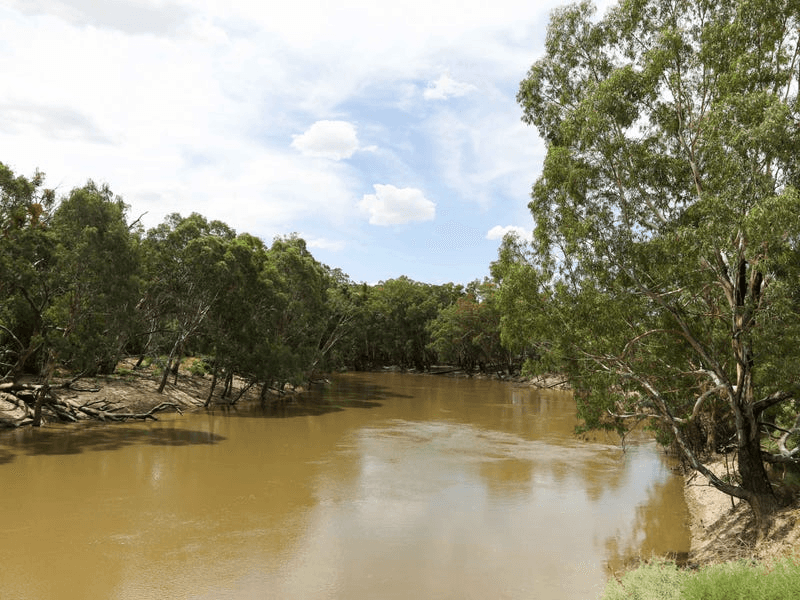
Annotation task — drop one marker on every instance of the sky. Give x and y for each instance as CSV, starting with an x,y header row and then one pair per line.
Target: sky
x,y
385,134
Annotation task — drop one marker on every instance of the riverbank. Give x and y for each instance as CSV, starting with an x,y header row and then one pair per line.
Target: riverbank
x,y
548,381
126,395
724,531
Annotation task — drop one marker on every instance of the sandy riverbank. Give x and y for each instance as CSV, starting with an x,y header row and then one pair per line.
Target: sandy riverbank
x,y
721,531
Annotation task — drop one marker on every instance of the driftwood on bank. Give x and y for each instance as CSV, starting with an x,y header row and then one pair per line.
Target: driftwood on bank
x,y
18,407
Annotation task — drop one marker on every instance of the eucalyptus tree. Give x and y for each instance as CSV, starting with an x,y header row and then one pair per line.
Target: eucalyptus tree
x,y
238,333
398,315
668,219
26,258
96,280
300,310
521,303
186,272
344,303
467,332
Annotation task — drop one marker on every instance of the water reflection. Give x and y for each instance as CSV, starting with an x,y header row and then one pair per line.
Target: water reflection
x,y
379,486
75,439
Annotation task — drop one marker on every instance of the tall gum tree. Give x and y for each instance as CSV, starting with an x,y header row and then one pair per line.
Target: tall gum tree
x,y
96,277
668,219
26,258
187,272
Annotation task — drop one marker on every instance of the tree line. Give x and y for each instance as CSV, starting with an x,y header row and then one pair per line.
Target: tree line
x,y
82,286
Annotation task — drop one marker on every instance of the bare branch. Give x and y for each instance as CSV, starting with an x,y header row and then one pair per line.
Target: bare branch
x,y
133,224
771,400
11,333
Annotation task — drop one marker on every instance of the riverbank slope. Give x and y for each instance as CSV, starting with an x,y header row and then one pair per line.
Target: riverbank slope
x,y
724,531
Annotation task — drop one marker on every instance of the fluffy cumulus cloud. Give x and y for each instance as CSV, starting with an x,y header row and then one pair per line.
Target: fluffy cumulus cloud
x,y
328,139
390,205
446,87
498,233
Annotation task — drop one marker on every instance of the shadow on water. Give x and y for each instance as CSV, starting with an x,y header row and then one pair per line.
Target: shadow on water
x,y
353,393
337,397
45,442
289,409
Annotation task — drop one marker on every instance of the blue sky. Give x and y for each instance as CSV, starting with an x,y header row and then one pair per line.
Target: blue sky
x,y
386,134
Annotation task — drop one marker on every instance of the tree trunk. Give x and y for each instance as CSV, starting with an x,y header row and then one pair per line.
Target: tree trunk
x,y
226,392
43,391
37,408
168,366
755,482
242,392
175,369
264,392
213,385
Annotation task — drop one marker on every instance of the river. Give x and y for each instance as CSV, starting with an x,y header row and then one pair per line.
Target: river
x,y
402,487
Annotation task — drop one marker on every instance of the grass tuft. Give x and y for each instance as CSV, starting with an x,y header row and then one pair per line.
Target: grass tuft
x,y
742,580
649,581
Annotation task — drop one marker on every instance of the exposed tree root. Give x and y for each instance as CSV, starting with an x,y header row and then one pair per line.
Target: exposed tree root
x,y
17,407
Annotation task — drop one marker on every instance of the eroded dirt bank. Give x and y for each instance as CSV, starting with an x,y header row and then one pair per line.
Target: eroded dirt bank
x,y
722,531
128,391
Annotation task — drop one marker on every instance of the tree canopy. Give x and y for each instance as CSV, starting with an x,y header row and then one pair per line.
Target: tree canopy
x,y
81,287
668,220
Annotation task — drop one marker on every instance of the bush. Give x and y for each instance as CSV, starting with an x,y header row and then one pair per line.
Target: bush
x,y
198,367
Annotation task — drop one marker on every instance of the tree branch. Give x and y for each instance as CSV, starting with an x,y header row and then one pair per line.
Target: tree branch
x,y
771,400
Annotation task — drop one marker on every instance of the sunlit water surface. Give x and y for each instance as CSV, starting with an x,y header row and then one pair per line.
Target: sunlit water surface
x,y
403,487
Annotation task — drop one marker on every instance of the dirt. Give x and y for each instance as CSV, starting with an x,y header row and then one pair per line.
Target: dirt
x,y
724,531
134,391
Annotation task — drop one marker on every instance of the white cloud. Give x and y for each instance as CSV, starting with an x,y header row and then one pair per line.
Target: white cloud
x,y
59,122
484,152
447,87
498,233
328,139
390,205
326,244
129,16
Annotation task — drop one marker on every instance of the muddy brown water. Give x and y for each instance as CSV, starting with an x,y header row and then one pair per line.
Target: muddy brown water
x,y
404,487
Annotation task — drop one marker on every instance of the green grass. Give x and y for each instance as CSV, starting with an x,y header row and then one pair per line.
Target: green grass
x,y
649,581
728,581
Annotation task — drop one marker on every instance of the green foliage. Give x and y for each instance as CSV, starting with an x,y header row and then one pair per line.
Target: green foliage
x,y
68,278
390,323
198,368
467,332
26,257
667,217
649,581
96,277
727,581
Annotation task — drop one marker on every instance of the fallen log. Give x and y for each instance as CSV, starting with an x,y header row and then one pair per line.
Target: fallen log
x,y
107,415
